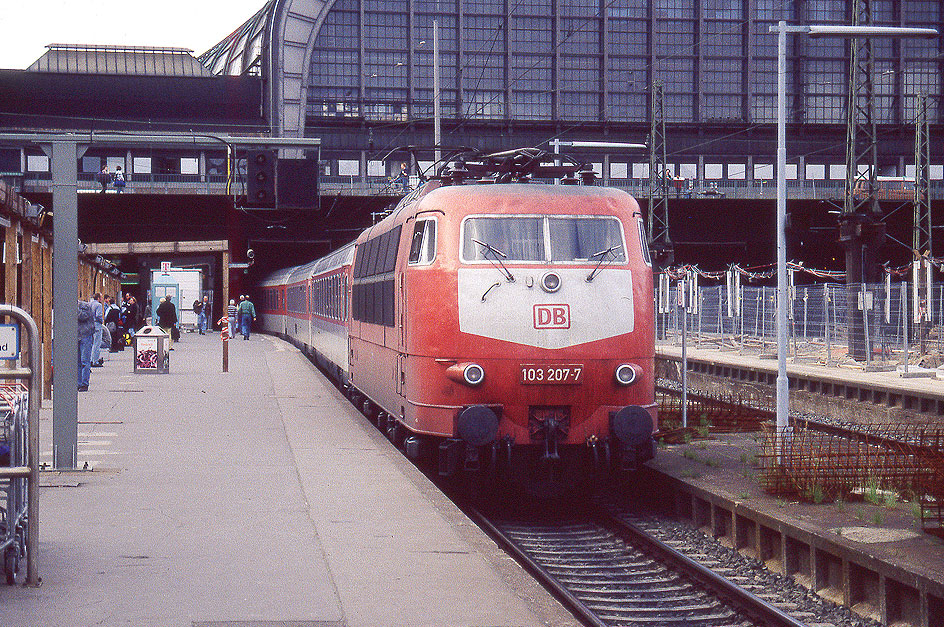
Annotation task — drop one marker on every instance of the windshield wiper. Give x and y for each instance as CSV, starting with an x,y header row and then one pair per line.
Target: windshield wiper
x,y
603,254
499,255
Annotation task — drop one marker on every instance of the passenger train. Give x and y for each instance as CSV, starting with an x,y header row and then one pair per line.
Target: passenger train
x,y
502,328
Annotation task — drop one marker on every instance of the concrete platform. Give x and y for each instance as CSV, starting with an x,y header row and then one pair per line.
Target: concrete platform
x,y
870,555
259,497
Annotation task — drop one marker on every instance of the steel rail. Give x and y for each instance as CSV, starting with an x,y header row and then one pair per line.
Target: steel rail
x,y
743,600
565,596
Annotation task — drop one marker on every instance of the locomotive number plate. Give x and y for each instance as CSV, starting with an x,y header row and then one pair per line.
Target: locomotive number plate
x,y
566,374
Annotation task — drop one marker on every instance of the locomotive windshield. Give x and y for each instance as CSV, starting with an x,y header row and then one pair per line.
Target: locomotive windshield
x,y
543,239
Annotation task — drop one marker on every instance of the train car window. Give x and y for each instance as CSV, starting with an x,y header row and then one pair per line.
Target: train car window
x,y
359,261
423,245
517,238
374,246
581,239
644,242
393,246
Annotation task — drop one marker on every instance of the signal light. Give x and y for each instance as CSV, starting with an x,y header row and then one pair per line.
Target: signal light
x,y
261,178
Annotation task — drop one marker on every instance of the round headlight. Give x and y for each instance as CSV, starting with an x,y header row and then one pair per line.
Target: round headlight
x,y
550,282
625,374
473,374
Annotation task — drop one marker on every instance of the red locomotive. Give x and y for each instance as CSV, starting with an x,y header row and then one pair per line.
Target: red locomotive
x,y
506,326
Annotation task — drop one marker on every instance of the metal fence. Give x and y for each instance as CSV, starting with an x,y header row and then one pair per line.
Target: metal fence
x,y
827,323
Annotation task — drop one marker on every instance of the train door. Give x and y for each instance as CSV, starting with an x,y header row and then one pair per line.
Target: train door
x,y
422,253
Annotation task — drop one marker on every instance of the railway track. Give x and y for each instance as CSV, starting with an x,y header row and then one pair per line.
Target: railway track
x,y
612,572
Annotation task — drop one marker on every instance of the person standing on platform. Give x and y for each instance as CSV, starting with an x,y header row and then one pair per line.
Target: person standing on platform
x,y
113,324
134,315
231,314
167,319
198,309
85,320
247,315
98,314
207,315
104,178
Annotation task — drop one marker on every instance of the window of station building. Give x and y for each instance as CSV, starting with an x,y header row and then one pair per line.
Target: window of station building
x,y
37,163
837,172
349,167
640,170
114,163
619,170
10,161
189,165
376,168
714,171
737,171
688,171
763,171
141,165
815,172
91,164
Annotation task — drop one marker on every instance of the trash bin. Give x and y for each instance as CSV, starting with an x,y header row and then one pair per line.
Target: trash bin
x,y
150,351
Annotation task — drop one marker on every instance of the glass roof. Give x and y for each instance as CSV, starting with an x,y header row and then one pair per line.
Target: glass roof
x,y
241,52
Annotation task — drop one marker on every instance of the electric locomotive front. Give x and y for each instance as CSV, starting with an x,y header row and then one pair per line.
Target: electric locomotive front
x,y
529,332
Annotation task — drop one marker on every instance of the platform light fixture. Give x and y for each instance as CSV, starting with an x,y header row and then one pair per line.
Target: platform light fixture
x,y
813,30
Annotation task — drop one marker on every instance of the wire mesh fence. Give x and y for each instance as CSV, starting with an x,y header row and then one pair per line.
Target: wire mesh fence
x,y
875,325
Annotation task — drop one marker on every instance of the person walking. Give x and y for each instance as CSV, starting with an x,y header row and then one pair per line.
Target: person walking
x,y
167,319
247,315
98,314
119,181
231,314
86,335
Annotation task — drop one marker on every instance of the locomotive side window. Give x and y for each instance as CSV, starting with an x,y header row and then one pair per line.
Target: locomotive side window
x,y
583,239
644,242
423,246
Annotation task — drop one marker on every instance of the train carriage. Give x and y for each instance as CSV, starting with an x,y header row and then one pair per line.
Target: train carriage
x,y
505,326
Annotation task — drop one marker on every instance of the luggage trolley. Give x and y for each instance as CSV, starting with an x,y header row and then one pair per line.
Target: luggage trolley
x,y
20,394
14,431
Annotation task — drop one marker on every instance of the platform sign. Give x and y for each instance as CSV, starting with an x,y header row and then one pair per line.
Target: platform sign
x,y
9,341
165,267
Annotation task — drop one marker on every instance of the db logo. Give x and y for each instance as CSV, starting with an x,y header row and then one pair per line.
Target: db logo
x,y
552,316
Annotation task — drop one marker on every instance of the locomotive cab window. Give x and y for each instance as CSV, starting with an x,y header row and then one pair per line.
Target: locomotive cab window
x,y
423,246
574,239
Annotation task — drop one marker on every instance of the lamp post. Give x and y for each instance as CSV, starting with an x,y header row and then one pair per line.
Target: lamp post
x,y
813,30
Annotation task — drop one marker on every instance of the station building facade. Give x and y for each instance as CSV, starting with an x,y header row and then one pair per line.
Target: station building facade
x,y
360,75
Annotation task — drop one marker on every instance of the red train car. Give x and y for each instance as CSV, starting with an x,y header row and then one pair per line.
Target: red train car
x,y
508,327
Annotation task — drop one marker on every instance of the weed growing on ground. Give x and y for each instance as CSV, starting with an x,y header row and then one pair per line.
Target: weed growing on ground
x,y
916,512
814,493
